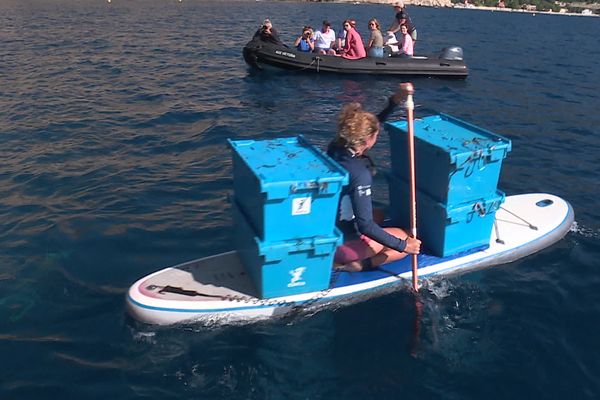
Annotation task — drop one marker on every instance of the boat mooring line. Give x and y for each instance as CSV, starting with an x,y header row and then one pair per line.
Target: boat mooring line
x,y
531,226
498,240
317,59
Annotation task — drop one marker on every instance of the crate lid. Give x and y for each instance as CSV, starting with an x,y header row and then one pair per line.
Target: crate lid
x,y
289,161
460,139
318,245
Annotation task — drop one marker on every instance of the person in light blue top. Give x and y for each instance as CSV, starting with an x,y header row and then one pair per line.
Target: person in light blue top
x,y
305,42
340,41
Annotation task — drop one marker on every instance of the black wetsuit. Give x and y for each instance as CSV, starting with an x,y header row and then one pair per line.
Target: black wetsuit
x,y
359,219
265,36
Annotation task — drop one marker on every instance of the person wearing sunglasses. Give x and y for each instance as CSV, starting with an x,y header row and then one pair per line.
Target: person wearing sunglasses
x,y
375,43
354,48
366,244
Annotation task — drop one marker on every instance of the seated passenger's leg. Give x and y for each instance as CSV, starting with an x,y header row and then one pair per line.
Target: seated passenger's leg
x,y
385,254
354,255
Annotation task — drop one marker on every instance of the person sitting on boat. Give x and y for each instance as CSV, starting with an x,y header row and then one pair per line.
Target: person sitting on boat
x,y
406,43
354,47
366,244
402,18
325,39
375,44
267,33
340,41
305,42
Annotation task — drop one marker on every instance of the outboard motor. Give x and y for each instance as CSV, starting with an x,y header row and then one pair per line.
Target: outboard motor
x,y
453,53
249,52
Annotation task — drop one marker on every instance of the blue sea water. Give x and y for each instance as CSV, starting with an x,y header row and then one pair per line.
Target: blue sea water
x,y
113,164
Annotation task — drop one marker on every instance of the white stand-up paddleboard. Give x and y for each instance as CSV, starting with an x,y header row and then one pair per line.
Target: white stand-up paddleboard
x,y
217,289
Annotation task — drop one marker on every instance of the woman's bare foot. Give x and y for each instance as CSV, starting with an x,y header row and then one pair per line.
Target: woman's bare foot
x,y
353,266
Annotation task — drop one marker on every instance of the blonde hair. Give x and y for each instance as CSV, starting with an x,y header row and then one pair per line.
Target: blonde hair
x,y
355,125
376,23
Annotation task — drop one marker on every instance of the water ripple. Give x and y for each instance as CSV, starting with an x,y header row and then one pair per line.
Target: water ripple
x,y
114,163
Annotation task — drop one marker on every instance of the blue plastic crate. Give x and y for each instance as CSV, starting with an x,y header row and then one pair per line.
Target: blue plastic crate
x,y
455,161
288,188
285,268
445,230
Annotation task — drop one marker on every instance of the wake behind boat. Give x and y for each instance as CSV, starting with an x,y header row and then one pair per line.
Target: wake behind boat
x,y
218,289
264,55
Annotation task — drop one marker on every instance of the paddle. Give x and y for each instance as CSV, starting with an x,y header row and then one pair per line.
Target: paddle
x,y
408,88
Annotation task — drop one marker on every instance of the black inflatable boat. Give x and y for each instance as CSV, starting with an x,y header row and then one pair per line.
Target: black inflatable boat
x,y
262,55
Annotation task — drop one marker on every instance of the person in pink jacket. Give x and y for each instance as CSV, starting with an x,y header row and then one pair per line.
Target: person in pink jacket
x,y
354,48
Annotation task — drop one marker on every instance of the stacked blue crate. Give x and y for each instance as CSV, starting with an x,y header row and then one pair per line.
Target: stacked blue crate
x,y
286,194
446,230
284,267
457,171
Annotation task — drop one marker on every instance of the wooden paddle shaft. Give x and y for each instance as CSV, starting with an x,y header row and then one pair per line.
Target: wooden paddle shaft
x,y
410,106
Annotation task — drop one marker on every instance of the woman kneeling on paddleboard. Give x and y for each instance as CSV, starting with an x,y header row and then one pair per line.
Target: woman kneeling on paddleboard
x,y
366,244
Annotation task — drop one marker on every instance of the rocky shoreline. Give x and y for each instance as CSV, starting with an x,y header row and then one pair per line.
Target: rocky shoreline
x,y
448,3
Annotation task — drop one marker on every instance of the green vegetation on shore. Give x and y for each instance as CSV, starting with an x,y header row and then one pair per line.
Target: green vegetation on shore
x,y
541,5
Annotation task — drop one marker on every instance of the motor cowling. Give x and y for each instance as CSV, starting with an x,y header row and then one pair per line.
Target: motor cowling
x,y
454,53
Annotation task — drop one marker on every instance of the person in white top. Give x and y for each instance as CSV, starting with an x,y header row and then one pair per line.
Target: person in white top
x,y
325,39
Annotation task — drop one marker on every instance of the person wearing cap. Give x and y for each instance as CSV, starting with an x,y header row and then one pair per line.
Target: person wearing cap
x,y
402,18
325,39
267,33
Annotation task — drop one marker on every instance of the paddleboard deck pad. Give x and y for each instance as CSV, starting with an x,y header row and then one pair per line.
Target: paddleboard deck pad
x,y
217,289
